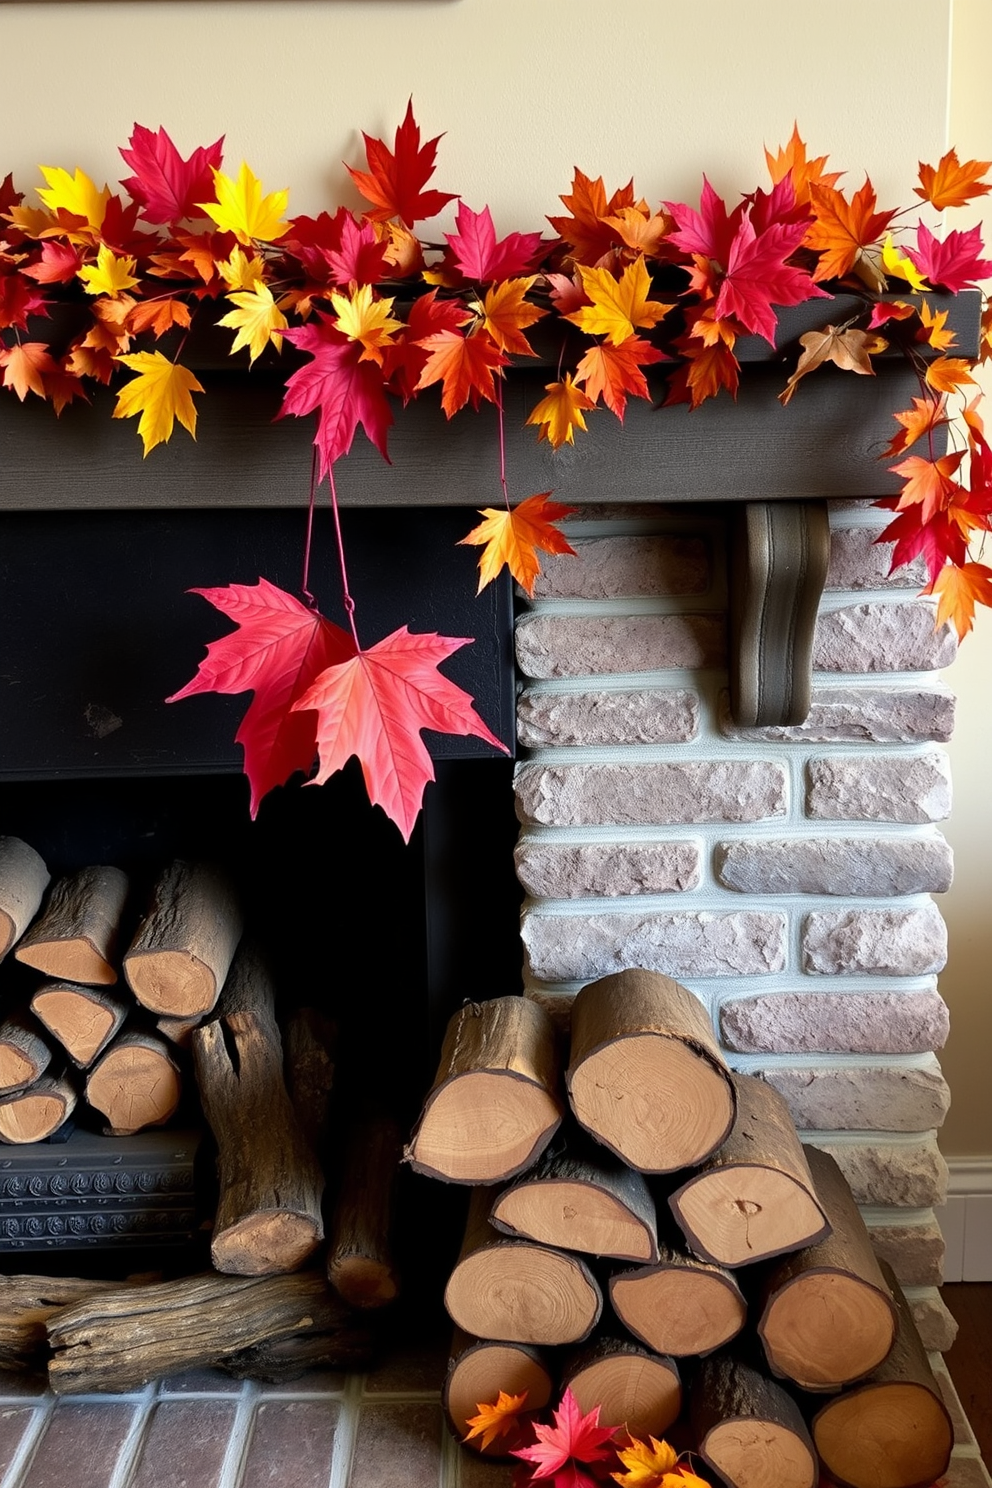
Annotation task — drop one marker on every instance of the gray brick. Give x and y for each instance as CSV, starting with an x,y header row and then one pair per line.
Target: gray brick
x,y
565,948
906,1175
598,645
859,715
300,1432
914,1251
80,1446
857,561
880,787
668,792
185,1444
397,1445
835,1022
643,716
552,870
624,567
934,1321
898,942
882,638
862,1097
835,865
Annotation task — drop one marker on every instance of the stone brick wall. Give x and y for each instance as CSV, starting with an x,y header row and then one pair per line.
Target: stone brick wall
x,y
783,874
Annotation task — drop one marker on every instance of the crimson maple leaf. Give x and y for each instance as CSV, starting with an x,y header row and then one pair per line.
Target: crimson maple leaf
x,y
479,256
358,256
58,264
573,1442
758,277
954,262
395,179
938,541
166,186
278,650
711,230
374,705
346,390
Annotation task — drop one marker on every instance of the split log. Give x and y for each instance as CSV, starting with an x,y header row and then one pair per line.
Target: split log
x,y
184,946
311,1042
23,881
36,1113
83,1019
755,1197
517,1291
123,1338
360,1264
26,1304
747,1428
478,1369
25,1054
645,1074
679,1306
74,938
135,1084
633,1388
268,1212
582,1199
893,1428
494,1104
826,1315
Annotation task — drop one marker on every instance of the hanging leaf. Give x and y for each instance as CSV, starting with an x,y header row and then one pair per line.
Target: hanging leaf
x,y
161,393
511,539
343,388
560,413
958,590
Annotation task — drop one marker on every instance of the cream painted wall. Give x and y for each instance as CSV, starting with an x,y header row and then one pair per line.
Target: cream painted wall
x,y
525,90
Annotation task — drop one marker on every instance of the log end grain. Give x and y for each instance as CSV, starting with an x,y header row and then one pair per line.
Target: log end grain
x,y
36,1113
80,1020
265,1244
135,1084
475,1377
574,1216
482,1127
524,1294
757,1453
172,983
680,1310
746,1212
908,1446
16,1069
643,1395
75,960
363,1281
826,1329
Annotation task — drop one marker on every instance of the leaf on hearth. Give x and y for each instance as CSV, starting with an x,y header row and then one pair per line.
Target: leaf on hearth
x,y
560,413
167,187
958,590
646,1464
850,350
375,704
395,178
951,184
574,1441
277,651
241,208
511,539
158,316
161,393
496,1419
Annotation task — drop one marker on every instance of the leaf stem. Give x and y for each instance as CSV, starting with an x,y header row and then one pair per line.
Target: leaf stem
x,y
502,441
347,600
305,582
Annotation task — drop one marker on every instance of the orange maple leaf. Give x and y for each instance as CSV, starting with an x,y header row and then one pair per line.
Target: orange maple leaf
x,y
587,231
508,314
466,367
612,372
25,367
640,230
706,371
933,322
496,1419
948,373
929,483
951,184
958,590
510,539
560,413
158,316
791,161
926,414
843,230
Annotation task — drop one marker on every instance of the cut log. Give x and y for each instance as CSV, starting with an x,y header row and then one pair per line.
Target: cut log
x,y
23,881
679,1306
75,937
26,1304
892,1430
747,1428
268,1212
123,1338
517,1291
178,1031
826,1315
25,1054
311,1042
582,1199
633,1388
135,1084
754,1198
494,1104
83,1019
478,1369
645,1074
184,946
36,1113
360,1264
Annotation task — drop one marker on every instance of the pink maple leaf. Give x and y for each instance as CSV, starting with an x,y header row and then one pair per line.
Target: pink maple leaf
x,y
166,186
358,256
344,389
479,256
758,277
566,1448
955,263
711,230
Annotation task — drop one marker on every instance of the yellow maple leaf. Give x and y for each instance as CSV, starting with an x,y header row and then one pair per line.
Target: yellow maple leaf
x,y
366,319
560,413
511,539
257,320
161,393
241,272
109,275
496,1419
76,194
896,263
948,373
508,314
933,323
618,305
649,1464
242,209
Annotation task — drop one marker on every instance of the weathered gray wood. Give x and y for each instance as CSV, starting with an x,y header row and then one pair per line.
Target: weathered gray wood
x,y
25,1053
310,1041
360,1264
183,947
75,936
26,1304
23,881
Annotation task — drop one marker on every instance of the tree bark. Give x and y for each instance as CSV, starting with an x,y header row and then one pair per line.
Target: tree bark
x,y
75,937
360,1264
747,1428
268,1213
478,1369
184,946
23,881
26,1304
135,1084
83,1019
645,1073
679,1306
311,1041
633,1388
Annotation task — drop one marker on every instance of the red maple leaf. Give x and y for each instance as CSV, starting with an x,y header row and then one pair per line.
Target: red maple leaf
x,y
479,256
374,705
940,540
710,231
405,358
346,390
167,187
358,257
58,264
280,646
955,263
395,178
572,1443
758,277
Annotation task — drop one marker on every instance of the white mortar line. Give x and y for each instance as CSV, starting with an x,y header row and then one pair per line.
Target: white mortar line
x,y
130,1451
709,834
745,1063
240,1437
704,602
28,1445
725,901
740,984
346,1431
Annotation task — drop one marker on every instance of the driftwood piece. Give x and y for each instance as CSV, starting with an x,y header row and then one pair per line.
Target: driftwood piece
x,y
679,1306
184,946
633,1388
478,1368
26,1304
755,1197
310,1042
123,1338
747,1428
135,1083
360,1264
582,1199
74,939
645,1073
83,1019
494,1104
893,1428
517,1291
344,1341
36,1113
25,1053
268,1212
826,1315
23,881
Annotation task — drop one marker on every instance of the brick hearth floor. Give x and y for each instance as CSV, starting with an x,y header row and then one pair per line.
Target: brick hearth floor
x,y
203,1430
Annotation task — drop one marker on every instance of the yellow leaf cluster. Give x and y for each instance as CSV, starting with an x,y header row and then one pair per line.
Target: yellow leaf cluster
x,y
365,319
241,208
618,306
161,393
257,320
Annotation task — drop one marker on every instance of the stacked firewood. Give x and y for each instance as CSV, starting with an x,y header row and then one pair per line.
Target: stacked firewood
x,y
652,1233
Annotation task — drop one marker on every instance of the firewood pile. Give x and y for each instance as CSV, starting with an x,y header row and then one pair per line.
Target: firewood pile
x,y
649,1230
